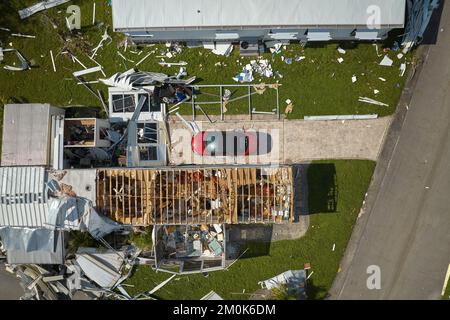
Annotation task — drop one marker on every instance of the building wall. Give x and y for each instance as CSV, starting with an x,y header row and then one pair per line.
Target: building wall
x,y
249,35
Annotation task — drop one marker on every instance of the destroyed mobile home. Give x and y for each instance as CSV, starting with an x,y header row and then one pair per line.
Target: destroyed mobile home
x,y
105,176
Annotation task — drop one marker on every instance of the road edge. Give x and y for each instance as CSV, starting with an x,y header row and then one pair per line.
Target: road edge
x,y
388,146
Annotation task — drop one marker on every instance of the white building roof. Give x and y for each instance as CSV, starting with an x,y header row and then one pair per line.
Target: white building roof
x,y
203,14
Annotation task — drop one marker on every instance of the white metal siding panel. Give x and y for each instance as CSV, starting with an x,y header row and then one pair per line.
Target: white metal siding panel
x,y
23,200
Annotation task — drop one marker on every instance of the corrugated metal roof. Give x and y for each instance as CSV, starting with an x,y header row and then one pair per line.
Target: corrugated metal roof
x,y
23,200
148,14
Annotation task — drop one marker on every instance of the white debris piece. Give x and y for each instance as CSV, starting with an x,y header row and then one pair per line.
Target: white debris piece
x,y
169,64
87,71
300,58
340,50
382,79
221,49
402,69
40,6
375,91
53,60
340,60
354,79
387,62
399,56
372,101
142,60
181,73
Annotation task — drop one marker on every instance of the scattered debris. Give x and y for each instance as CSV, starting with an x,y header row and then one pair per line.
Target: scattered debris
x,y
53,61
402,69
222,49
44,5
93,14
354,79
105,37
123,57
197,107
376,49
382,79
211,296
340,50
289,107
375,91
372,101
22,35
132,79
386,61
294,280
169,64
86,71
340,60
25,64
143,59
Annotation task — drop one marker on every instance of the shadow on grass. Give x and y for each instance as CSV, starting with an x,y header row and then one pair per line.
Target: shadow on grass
x,y
315,292
323,188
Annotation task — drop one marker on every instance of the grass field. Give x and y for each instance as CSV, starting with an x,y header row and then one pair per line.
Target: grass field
x,y
344,181
318,85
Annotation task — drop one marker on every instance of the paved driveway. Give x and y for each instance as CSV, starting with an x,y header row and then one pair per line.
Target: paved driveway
x,y
9,285
294,141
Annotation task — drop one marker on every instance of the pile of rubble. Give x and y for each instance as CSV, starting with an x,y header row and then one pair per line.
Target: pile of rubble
x,y
92,272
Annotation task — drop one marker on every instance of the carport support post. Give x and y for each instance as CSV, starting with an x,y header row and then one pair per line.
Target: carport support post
x,y
193,108
250,103
278,104
221,103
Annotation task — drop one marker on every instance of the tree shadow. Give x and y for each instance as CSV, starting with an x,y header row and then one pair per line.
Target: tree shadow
x,y
322,188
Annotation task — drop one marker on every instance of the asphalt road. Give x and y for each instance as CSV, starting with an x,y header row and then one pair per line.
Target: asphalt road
x,y
406,230
9,285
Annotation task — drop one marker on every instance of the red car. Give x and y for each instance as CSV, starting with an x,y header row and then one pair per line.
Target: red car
x,y
230,143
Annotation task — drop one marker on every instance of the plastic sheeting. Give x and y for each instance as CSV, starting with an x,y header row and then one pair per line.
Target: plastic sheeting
x,y
201,14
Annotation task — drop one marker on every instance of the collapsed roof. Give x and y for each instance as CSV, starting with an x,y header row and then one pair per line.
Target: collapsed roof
x,y
196,196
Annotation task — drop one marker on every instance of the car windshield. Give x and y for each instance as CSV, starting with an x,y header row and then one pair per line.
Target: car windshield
x,y
212,145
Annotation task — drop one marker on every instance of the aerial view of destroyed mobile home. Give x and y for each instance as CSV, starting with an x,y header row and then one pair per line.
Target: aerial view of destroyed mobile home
x,y
224,149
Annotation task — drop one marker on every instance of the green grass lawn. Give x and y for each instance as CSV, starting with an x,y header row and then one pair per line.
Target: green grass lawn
x,y
318,85
336,191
